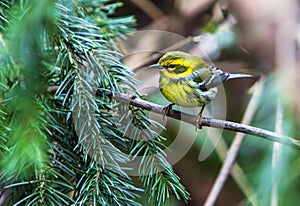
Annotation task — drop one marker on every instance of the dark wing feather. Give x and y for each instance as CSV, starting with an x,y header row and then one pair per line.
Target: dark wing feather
x,y
207,78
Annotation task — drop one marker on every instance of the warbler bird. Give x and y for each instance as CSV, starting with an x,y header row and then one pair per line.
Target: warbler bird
x,y
188,81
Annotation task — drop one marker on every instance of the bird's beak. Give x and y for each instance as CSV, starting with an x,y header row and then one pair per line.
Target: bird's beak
x,y
156,66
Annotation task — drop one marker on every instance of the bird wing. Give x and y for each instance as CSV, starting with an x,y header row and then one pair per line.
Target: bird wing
x,y
208,77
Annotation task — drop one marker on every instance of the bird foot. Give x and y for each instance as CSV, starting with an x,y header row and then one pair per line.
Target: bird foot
x,y
197,120
166,110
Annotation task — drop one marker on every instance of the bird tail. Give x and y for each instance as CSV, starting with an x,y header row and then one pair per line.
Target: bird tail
x,y
234,76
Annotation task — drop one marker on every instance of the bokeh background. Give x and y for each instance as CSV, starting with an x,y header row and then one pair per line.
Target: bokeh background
x,y
255,37
50,49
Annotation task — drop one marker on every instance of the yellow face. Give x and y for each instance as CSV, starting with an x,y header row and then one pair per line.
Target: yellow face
x,y
176,64
177,68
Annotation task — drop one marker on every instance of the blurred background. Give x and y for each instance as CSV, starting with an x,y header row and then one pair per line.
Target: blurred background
x,y
255,37
59,44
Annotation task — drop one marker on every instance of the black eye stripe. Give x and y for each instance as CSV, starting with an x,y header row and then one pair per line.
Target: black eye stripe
x,y
176,68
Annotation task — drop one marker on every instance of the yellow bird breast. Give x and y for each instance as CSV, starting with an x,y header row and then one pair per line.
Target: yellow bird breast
x,y
180,93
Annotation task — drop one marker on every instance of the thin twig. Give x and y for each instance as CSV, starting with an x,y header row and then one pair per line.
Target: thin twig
x,y
233,151
154,12
276,155
209,122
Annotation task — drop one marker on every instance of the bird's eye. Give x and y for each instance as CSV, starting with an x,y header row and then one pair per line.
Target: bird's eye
x,y
172,66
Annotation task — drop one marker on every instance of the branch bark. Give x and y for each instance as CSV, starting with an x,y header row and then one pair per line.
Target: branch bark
x,y
208,122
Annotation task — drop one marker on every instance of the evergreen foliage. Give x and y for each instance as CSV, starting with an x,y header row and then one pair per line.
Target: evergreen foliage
x,y
63,139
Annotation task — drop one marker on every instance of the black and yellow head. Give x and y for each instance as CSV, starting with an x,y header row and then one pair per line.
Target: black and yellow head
x,y
177,64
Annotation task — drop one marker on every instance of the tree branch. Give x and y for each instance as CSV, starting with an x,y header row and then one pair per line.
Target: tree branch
x,y
208,122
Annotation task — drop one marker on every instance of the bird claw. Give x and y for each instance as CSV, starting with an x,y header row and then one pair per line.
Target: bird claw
x,y
166,110
198,119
